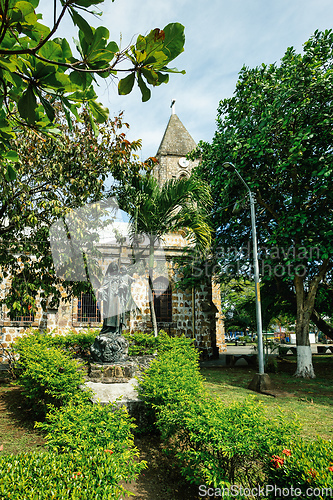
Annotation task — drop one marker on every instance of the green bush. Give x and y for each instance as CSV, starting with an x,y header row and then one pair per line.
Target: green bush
x,y
84,426
303,469
146,344
173,374
165,343
213,443
218,444
76,343
91,447
49,476
47,375
141,343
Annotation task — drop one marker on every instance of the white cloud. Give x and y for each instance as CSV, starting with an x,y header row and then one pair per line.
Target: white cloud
x,y
221,36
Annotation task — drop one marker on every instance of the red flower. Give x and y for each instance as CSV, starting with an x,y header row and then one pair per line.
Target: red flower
x,y
286,452
77,474
108,451
330,468
312,472
277,461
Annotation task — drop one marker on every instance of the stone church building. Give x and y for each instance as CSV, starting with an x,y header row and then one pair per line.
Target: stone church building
x,y
195,312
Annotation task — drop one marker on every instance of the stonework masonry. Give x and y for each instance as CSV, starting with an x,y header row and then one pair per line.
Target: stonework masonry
x,y
195,312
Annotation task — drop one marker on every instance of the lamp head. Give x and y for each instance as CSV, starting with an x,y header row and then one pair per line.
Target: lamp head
x,y
228,166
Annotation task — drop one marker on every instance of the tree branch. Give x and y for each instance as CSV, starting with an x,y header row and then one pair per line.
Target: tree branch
x,y
324,327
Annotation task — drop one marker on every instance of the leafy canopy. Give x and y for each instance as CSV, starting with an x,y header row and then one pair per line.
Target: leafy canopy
x,y
54,177
37,67
278,130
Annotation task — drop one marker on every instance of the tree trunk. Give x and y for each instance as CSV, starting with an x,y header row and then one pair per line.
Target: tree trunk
x,y
304,354
151,287
305,306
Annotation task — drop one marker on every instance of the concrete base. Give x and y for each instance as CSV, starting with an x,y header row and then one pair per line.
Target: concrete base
x,y
124,394
260,383
106,393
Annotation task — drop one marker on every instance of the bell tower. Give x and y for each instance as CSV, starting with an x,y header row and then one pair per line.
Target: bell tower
x,y
175,145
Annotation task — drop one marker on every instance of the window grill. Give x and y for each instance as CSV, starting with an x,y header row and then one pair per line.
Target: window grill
x,y
88,309
19,319
163,302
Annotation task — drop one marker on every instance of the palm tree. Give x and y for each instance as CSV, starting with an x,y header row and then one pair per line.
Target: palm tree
x,y
155,211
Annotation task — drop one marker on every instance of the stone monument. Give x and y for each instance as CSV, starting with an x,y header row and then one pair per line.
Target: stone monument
x,y
110,346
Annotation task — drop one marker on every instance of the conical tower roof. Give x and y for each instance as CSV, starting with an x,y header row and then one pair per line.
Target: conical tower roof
x,y
176,140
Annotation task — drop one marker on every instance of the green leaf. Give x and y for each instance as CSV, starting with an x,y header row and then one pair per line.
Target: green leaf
x,y
173,70
101,114
125,85
145,91
150,75
83,25
140,56
11,173
68,118
93,126
174,40
27,105
87,3
81,96
141,43
36,33
11,155
6,63
52,51
27,11
58,81
163,78
82,80
50,112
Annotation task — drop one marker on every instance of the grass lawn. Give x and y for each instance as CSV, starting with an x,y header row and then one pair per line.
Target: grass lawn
x,y
17,432
310,399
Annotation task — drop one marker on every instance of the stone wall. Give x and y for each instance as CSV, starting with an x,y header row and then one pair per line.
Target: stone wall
x,y
196,312
169,168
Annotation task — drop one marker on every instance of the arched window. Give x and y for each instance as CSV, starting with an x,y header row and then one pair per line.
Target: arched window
x,y
163,301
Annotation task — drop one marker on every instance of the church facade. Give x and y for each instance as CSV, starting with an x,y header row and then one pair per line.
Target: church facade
x,y
194,312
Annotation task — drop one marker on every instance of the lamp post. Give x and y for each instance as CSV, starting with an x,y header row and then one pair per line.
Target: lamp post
x,y
256,278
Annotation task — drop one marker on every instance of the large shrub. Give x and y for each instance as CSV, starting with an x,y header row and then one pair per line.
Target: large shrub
x,y
84,426
76,475
47,375
146,344
75,343
174,374
303,469
214,444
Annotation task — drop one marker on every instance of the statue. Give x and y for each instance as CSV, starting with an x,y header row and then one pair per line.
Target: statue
x,y
110,345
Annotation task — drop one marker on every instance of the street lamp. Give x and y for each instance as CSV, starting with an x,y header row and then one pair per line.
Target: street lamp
x,y
261,381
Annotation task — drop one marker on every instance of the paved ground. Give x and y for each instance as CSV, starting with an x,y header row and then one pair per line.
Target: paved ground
x,y
246,349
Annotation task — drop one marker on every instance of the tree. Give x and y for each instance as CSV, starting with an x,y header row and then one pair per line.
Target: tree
x,y
238,304
155,211
53,177
278,130
36,67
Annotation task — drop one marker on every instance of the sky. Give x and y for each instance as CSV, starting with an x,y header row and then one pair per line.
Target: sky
x,y
221,37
